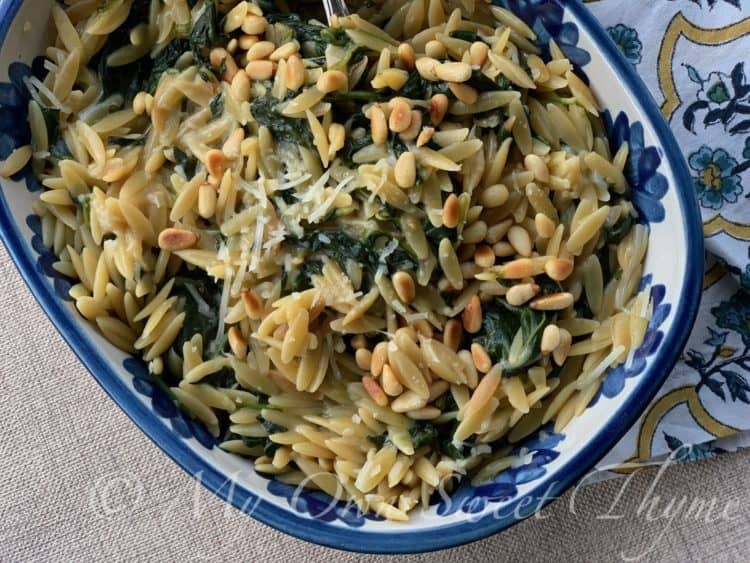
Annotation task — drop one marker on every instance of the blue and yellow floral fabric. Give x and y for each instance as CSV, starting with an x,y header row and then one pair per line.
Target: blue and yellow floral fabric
x,y
694,56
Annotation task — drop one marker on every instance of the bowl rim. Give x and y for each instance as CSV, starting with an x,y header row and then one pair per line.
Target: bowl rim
x,y
285,519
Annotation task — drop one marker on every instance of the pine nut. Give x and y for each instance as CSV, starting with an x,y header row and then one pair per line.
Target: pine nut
x,y
475,232
481,358
241,86
453,72
206,201
284,51
403,283
176,239
493,196
375,391
472,315
484,256
550,339
332,81
252,303
552,302
237,343
537,166
215,162
519,238
503,249
378,125
235,17
437,108
359,341
406,56
400,117
405,170
260,51
363,357
560,354
478,53
254,25
391,384
517,269
545,227
435,49
414,127
464,93
379,357
427,68
521,293
425,136
295,73
260,70
451,211
247,41
559,268
393,78
453,333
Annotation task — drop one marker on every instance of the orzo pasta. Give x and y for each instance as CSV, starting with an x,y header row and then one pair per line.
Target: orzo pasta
x,y
370,257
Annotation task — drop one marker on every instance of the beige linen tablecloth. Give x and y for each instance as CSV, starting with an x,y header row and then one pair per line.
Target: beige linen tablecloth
x,y
79,482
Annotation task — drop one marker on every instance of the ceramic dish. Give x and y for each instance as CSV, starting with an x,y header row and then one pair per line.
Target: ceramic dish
x,y
549,462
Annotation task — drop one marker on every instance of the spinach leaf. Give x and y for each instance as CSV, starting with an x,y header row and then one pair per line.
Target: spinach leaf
x,y
469,36
282,128
164,60
128,141
207,32
303,279
619,230
313,38
56,144
511,335
351,146
217,105
422,434
378,439
417,87
201,302
184,164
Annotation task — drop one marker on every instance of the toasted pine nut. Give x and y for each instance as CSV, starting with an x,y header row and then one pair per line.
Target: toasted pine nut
x,y
391,384
359,341
206,201
260,51
464,92
453,333
336,138
453,72
241,86
537,166
451,211
237,343
519,238
545,227
478,53
484,256
260,70
437,107
400,117
550,339
560,354
332,81
493,196
435,49
406,56
521,293
295,73
363,357
481,358
405,170
379,356
218,57
254,25
378,125
414,127
427,68
215,162
284,51
559,268
252,303
177,239
552,302
403,283
375,391
517,269
472,315
425,136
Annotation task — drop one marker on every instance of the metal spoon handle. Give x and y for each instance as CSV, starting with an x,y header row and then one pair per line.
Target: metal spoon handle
x,y
335,8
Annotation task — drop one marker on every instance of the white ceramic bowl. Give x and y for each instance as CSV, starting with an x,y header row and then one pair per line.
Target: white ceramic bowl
x,y
552,462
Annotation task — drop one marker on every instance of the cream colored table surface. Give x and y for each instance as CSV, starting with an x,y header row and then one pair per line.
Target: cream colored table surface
x,y
79,482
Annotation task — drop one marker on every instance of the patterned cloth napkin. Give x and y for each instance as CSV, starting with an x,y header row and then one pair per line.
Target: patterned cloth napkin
x,y
691,55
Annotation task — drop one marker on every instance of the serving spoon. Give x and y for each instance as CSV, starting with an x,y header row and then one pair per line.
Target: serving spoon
x,y
335,8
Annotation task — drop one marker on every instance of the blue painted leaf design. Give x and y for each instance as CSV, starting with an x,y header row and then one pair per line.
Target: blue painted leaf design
x,y
693,74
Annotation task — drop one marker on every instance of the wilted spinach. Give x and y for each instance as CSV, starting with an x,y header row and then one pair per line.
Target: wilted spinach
x,y
620,229
184,163
511,335
216,105
282,128
201,301
313,38
207,32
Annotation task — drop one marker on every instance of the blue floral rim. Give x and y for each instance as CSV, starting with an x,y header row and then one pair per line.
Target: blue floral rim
x,y
408,540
